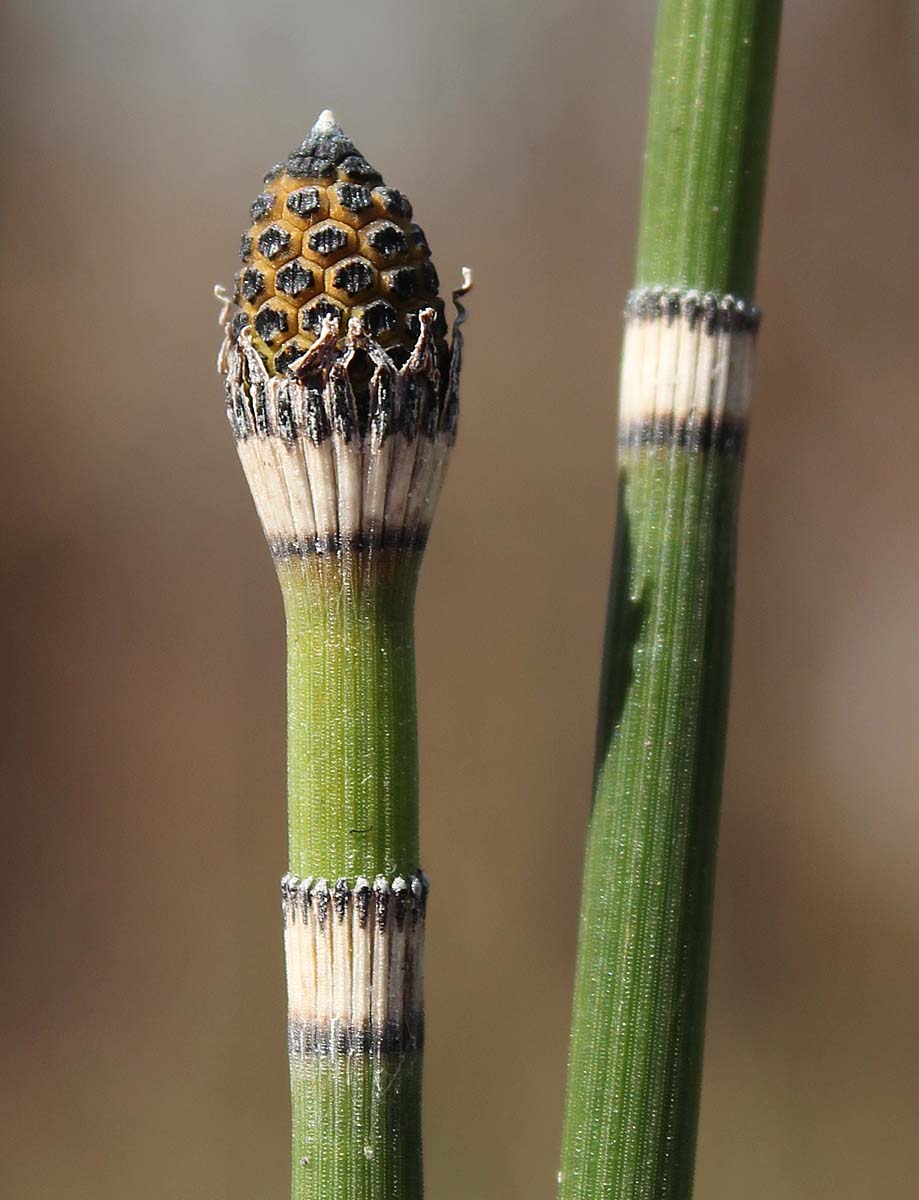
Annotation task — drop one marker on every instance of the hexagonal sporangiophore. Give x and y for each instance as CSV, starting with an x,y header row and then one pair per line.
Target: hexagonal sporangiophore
x,y
310,166
298,280
351,203
304,206
278,243
255,285
329,241
400,283
351,279
357,169
380,320
390,202
265,207
384,242
275,322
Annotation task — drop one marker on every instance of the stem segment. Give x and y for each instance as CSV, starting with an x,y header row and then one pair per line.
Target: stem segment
x,y
637,1032
356,1038
708,133
352,742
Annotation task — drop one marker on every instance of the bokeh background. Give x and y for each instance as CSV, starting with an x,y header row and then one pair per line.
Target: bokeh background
x,y
143,823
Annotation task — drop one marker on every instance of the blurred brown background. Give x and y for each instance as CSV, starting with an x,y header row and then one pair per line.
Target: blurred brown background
x,y
143,823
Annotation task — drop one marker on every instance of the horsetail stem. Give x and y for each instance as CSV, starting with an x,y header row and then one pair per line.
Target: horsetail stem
x,y
342,393
690,324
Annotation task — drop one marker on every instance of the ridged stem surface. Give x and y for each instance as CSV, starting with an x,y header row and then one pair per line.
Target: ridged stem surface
x,y
705,157
356,1123
352,740
646,913
353,811
639,1010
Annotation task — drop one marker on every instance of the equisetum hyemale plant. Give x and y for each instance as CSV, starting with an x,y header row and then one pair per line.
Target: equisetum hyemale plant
x,y
690,324
342,394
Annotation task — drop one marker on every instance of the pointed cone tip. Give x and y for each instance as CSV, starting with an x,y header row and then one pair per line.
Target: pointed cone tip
x,y
326,125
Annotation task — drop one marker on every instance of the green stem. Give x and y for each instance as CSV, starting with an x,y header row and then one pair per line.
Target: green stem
x,y
356,1125
639,1009
352,741
640,995
705,158
353,811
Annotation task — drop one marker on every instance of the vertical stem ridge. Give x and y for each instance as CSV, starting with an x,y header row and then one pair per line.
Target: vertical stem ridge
x,y
635,1058
711,100
356,1039
352,736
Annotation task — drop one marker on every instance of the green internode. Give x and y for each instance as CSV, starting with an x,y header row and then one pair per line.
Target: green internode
x,y
352,732
639,1009
705,158
357,1127
353,810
